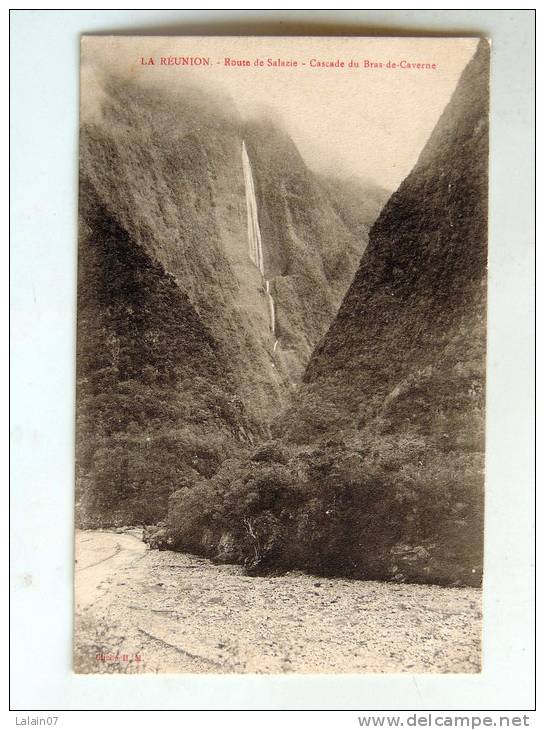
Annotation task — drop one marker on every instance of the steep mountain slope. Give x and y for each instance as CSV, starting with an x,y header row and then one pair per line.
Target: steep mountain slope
x,y
156,402
416,308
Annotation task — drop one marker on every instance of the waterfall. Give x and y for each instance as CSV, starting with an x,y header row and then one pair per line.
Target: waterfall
x,y
254,233
272,312
255,245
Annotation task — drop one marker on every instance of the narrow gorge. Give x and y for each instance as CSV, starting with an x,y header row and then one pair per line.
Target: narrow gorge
x,y
376,469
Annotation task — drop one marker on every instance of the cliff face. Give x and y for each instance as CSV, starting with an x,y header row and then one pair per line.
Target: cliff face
x,y
174,320
400,375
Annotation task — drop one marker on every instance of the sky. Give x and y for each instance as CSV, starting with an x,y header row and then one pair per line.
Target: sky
x,y
371,122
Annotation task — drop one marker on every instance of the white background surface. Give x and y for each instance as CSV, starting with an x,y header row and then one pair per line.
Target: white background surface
x,y
44,78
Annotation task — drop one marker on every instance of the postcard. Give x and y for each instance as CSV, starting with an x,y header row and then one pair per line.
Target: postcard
x,y
281,355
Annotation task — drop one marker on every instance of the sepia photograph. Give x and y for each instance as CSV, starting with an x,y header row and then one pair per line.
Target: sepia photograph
x,y
281,355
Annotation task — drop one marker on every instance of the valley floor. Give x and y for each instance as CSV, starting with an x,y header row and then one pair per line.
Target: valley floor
x,y
140,610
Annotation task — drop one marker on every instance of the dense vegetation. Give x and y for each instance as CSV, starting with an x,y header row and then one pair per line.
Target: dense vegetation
x,y
335,509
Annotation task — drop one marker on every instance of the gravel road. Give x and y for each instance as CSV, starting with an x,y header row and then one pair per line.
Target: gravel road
x,y
140,610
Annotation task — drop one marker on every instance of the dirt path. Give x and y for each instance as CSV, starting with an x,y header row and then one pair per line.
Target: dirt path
x,y
148,611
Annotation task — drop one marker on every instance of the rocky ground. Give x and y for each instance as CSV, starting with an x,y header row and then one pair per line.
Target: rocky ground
x,y
139,610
